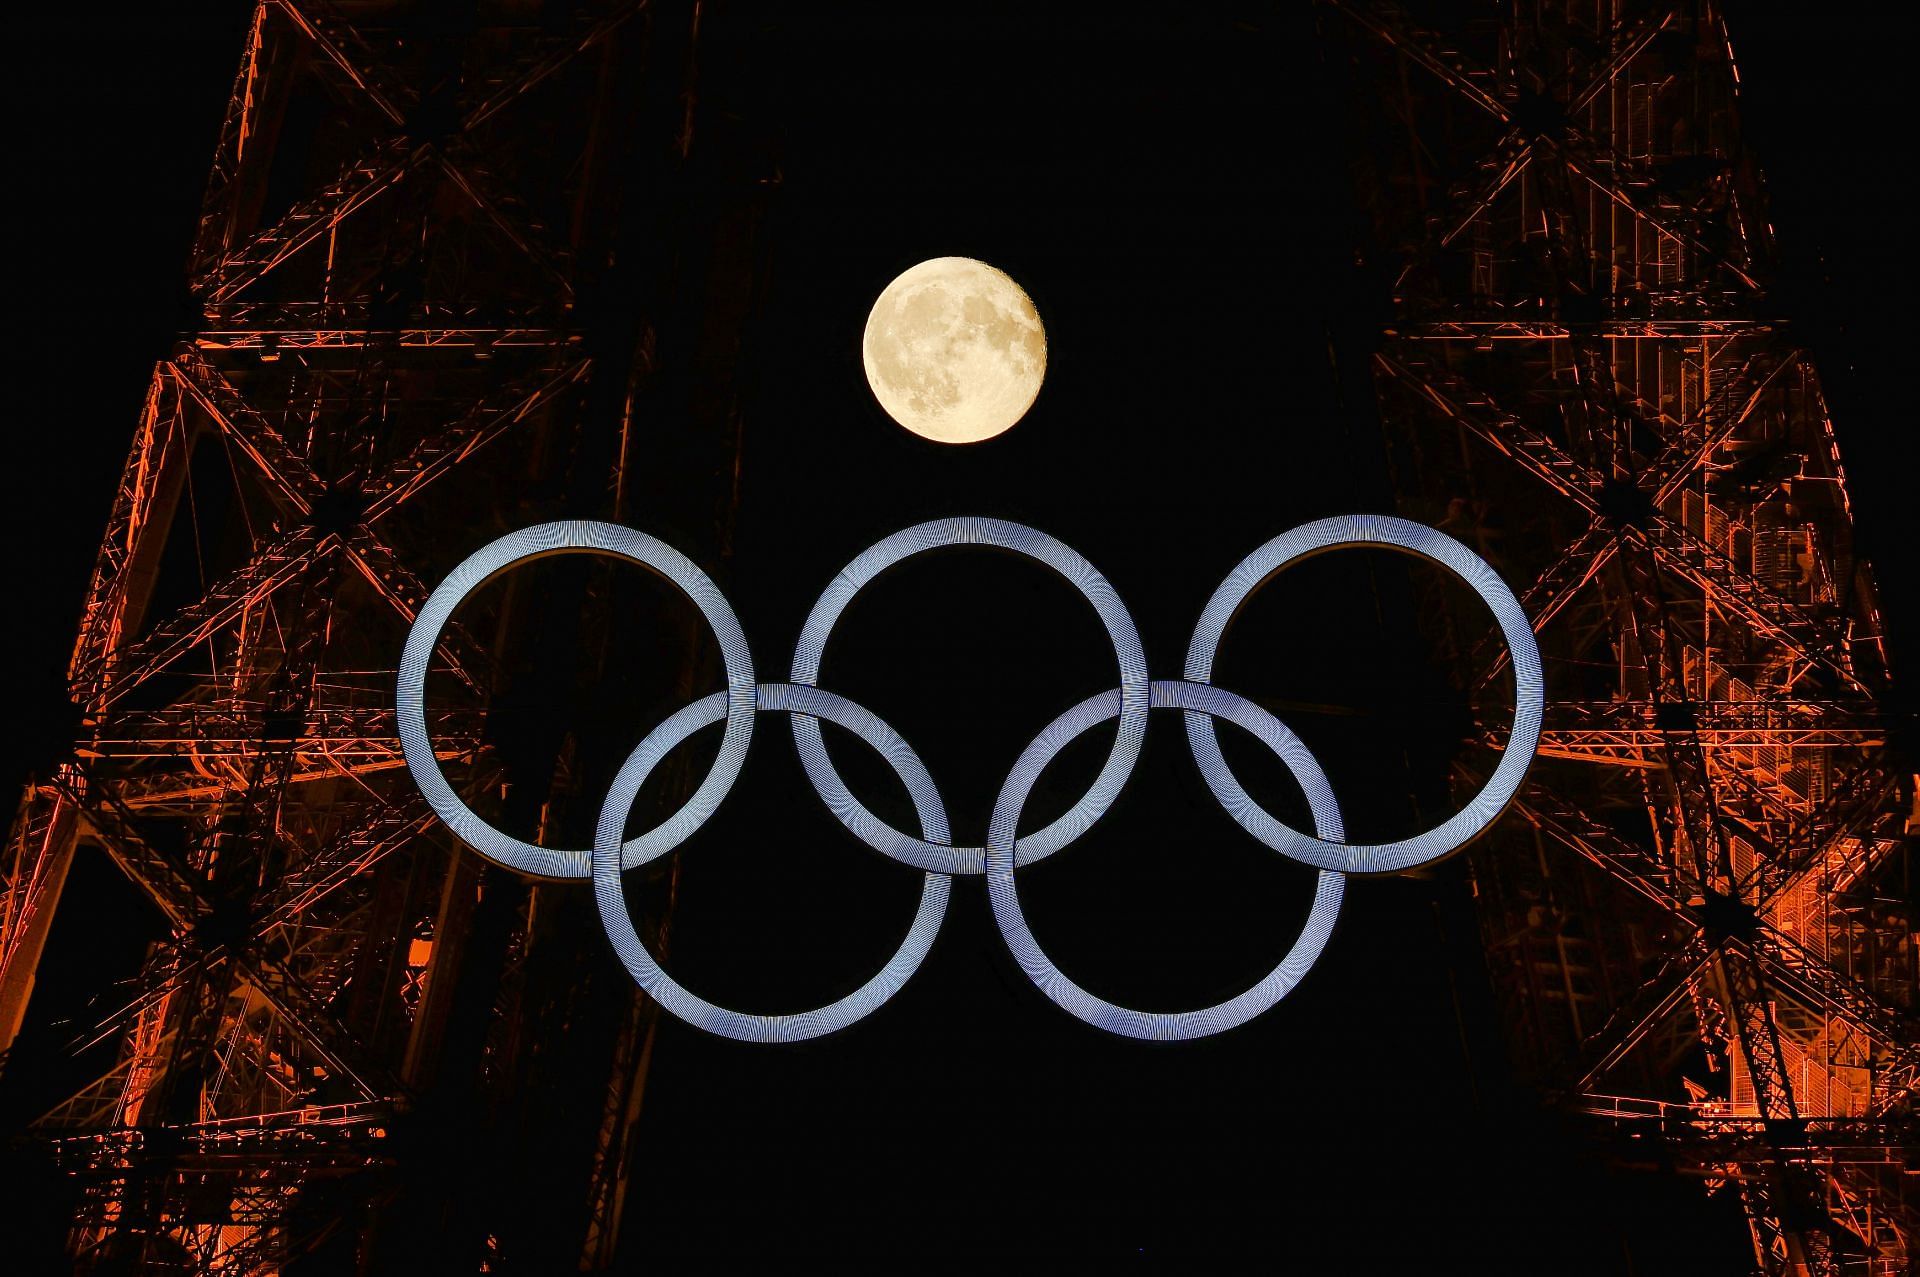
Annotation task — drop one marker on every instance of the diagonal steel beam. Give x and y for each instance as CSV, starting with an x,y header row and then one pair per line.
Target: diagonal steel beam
x,y
345,858
1674,469
1458,77
180,895
393,158
535,72
1633,1019
1807,976
383,167
342,46
1558,584
342,861
1466,405
454,442
283,559
285,470
1587,555
1814,980
1628,865
1678,550
1630,43
406,593
1584,170
1856,802
1573,146
490,194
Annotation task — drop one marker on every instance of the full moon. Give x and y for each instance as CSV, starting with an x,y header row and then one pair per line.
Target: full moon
x,y
954,350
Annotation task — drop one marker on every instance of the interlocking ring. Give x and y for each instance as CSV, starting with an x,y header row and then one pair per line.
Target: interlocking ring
x,y
931,850
572,536
1529,700
1035,545
1160,1026
611,897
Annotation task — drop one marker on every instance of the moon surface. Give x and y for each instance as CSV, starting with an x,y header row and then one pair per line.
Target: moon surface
x,y
954,350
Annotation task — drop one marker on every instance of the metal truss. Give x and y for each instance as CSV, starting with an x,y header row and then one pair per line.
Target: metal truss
x,y
1696,920
1699,926
387,357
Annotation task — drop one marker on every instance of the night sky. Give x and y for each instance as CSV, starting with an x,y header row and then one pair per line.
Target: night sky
x,y
1170,194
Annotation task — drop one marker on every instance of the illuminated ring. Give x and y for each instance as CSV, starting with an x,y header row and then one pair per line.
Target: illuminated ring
x,y
1079,573
609,894
1529,687
572,536
1070,997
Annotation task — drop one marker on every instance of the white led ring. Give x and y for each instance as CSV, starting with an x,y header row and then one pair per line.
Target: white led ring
x,y
1080,574
572,536
1070,997
932,850
610,896
1344,532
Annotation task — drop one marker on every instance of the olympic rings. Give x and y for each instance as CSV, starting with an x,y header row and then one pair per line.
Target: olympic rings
x,y
1034,545
1070,997
1529,692
573,536
932,850
692,1008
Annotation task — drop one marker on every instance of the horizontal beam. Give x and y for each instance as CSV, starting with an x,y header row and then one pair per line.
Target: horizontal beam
x,y
1490,329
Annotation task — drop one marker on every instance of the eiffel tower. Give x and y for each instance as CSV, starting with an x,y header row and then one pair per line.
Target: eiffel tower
x,y
441,283
430,303
1695,926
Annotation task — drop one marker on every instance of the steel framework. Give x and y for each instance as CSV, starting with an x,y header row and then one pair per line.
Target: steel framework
x,y
1700,928
409,308
431,301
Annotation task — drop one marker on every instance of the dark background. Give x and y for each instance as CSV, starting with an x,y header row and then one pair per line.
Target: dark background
x,y
1168,191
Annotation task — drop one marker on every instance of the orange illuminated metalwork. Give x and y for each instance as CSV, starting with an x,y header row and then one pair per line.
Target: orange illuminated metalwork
x,y
378,325
1698,929
1692,915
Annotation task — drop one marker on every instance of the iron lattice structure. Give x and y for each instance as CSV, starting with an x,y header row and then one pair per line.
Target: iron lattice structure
x,y
432,303
1698,921
408,306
